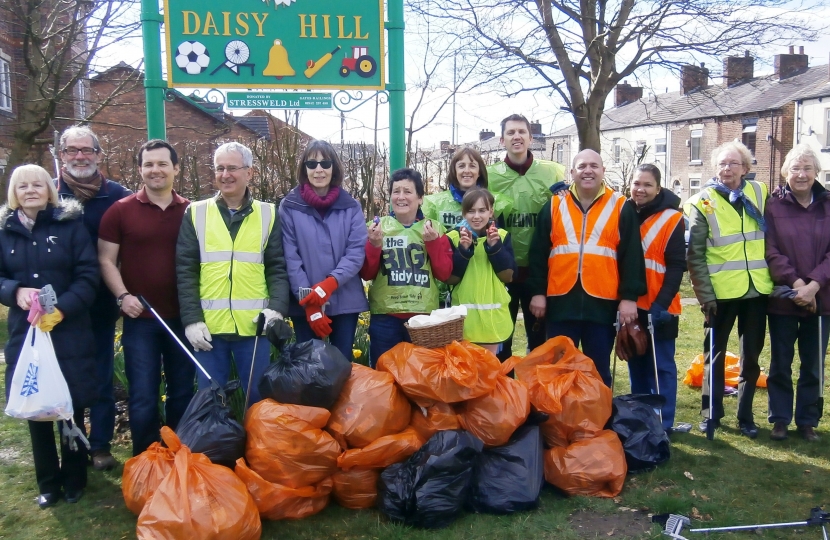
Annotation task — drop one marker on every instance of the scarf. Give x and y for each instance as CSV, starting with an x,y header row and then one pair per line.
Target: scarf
x,y
738,196
457,194
520,168
321,204
25,220
83,190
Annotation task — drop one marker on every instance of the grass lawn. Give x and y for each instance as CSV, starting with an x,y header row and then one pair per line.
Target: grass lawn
x,y
729,481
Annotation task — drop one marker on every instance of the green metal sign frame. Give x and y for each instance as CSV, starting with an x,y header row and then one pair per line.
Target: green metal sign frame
x,y
275,44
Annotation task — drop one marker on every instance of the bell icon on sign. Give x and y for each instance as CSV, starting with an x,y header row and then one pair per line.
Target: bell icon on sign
x,y
278,65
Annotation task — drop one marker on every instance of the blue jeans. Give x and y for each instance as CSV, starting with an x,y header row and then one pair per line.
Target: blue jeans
x,y
217,362
641,375
102,412
147,349
597,341
385,331
343,328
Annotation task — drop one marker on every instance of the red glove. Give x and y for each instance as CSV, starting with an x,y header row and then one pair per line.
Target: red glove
x,y
317,320
320,293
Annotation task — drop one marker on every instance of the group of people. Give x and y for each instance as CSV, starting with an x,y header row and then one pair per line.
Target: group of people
x,y
580,260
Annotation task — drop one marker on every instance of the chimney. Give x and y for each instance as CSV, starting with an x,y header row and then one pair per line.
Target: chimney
x,y
787,65
738,69
485,134
535,129
625,93
693,78
445,146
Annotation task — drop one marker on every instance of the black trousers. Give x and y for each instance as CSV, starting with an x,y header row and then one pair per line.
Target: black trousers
x,y
784,330
752,326
519,294
53,474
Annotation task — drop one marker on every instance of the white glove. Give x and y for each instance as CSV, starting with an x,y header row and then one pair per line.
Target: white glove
x,y
199,336
270,316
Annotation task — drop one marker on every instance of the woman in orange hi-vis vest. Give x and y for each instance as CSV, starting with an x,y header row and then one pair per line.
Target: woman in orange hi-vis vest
x,y
664,246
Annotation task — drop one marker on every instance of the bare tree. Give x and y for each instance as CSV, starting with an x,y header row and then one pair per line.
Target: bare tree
x,y
630,159
59,41
579,50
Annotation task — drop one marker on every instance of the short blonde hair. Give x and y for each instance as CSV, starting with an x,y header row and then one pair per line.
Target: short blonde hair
x,y
746,155
801,152
30,173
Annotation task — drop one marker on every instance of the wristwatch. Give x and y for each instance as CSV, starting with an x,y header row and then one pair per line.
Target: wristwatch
x,y
121,299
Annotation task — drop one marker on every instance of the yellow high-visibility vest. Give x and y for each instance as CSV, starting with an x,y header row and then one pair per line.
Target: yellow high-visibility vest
x,y
232,285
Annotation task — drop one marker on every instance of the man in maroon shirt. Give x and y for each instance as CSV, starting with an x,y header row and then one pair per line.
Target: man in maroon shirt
x,y
140,233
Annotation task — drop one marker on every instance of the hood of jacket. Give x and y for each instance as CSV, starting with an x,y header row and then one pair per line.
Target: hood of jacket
x,y
665,200
65,210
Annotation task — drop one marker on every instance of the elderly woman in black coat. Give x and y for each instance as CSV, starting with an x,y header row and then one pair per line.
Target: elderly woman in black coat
x,y
43,242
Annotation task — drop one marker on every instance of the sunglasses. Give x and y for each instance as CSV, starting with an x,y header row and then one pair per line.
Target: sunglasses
x,y
312,164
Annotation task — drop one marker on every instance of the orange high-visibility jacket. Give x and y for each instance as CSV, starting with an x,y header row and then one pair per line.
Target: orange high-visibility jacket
x,y
585,244
655,233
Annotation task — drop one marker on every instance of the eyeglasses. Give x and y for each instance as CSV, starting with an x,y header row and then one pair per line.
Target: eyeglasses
x,y
230,169
312,164
730,165
806,170
72,151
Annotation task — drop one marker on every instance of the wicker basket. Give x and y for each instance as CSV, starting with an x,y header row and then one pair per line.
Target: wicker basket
x,y
437,335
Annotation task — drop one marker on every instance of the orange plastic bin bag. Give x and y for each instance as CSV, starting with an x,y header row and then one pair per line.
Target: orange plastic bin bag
x,y
493,418
594,467
694,375
276,502
383,452
143,474
564,383
198,499
456,372
287,445
370,406
356,488
438,417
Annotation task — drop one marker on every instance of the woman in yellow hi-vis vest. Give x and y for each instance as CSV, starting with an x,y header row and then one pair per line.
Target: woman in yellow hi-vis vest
x,y
729,274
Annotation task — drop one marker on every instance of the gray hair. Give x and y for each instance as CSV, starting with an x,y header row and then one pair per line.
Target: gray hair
x,y
801,152
739,147
80,131
241,149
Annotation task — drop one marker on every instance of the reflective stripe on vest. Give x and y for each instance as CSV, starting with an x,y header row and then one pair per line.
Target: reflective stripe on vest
x,y
232,285
590,253
735,248
655,233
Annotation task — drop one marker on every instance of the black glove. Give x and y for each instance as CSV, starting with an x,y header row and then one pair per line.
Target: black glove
x,y
709,309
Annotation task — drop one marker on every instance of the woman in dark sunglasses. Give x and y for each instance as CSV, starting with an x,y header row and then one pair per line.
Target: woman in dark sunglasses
x,y
323,235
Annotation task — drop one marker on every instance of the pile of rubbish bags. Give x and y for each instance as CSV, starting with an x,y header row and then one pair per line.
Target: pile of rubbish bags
x,y
430,433
694,375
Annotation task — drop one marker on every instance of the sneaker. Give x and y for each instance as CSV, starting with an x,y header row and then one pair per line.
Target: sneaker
x,y
808,433
103,460
779,431
702,425
748,429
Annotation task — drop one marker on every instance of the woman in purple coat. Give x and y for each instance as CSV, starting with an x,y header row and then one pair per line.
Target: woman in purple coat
x,y
798,255
323,234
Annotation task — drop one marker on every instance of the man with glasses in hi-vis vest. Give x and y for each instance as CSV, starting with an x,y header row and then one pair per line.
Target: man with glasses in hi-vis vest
x,y
230,268
586,263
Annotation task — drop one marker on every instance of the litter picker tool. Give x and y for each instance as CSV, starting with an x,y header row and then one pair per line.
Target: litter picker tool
x,y
674,524
710,424
820,362
654,359
260,324
617,327
149,308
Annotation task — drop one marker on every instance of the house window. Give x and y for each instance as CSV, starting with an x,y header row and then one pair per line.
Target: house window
x,y
694,185
5,85
827,180
677,188
640,149
560,153
748,137
827,128
694,145
659,146
616,150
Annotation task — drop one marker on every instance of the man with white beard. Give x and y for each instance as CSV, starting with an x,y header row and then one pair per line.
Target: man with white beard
x,y
80,179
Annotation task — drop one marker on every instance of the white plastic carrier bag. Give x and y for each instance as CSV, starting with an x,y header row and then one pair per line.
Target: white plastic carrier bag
x,y
39,392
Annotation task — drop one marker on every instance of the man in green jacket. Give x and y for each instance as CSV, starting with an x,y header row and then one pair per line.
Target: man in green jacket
x,y
230,268
527,182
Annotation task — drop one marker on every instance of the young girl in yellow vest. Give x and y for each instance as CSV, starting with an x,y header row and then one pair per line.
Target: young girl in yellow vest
x,y
483,263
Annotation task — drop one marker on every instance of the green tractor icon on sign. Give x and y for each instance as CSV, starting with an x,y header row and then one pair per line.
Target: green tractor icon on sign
x,y
360,62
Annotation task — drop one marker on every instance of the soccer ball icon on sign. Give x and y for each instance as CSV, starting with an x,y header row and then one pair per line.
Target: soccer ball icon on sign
x,y
192,57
